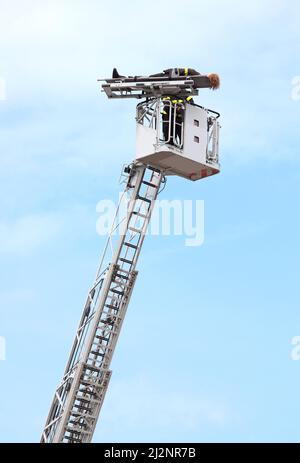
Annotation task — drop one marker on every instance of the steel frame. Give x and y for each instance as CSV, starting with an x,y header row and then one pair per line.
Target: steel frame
x,y
148,87
79,397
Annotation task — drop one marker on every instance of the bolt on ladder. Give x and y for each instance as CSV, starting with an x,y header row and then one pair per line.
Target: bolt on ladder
x,y
79,397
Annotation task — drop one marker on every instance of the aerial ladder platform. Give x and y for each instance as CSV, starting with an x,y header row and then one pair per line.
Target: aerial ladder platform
x,y
166,145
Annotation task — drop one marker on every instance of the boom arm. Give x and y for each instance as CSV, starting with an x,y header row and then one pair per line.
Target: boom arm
x,y
79,397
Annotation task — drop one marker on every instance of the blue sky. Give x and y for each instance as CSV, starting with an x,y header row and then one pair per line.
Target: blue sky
x,y
205,351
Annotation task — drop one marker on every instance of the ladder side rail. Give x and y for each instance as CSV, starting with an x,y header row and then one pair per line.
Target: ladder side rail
x,y
60,422
108,358
57,406
61,392
124,301
124,304
72,394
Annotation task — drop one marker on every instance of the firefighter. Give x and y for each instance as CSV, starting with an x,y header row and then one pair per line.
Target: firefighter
x,y
167,117
173,113
177,72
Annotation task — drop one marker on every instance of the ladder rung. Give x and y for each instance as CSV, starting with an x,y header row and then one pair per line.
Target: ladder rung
x,y
133,246
72,430
116,291
75,423
142,198
87,383
126,260
72,439
90,393
76,415
89,367
154,169
80,415
102,338
106,322
144,216
124,271
122,276
86,389
149,184
110,306
136,230
81,408
82,399
99,354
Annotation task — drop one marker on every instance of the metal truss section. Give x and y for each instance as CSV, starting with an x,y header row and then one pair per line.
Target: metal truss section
x,y
78,399
147,87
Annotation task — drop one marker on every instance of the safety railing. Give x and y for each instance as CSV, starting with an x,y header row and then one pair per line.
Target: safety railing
x,y
165,117
212,151
213,129
146,113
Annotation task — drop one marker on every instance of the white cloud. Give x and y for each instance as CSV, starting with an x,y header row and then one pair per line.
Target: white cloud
x,y
25,234
53,52
2,89
60,45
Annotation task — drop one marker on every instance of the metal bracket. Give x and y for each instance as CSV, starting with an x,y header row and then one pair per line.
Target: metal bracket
x,y
149,87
